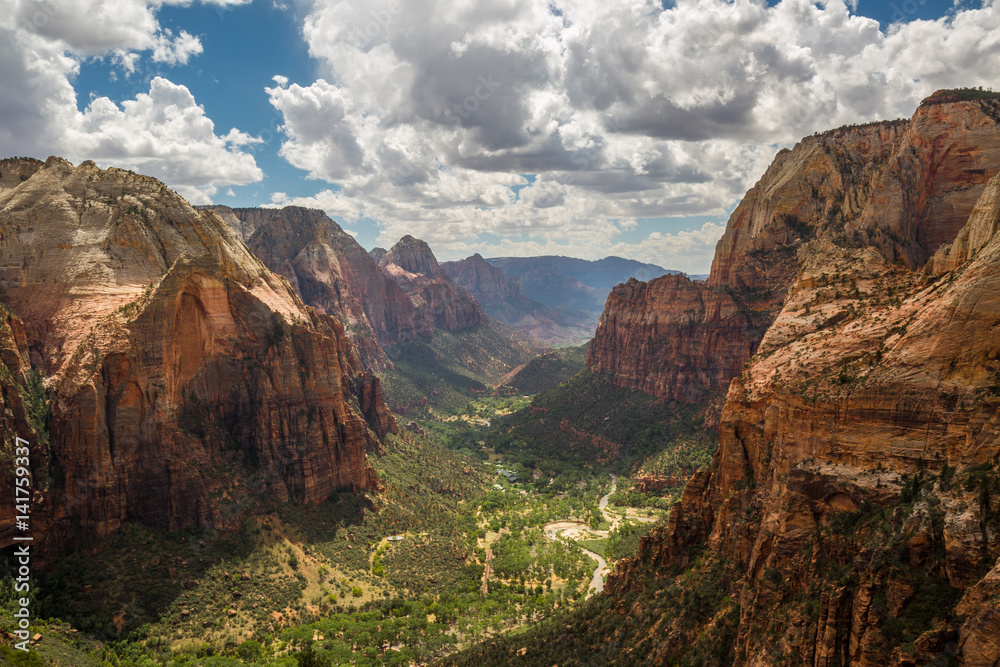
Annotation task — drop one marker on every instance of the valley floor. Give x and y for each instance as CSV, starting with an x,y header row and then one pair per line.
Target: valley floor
x,y
462,542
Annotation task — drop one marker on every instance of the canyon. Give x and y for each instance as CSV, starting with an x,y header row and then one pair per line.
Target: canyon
x,y
505,300
188,367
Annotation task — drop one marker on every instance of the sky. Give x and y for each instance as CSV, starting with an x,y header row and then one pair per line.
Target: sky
x,y
506,127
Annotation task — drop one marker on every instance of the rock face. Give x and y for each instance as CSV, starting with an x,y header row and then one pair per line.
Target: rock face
x,y
504,299
982,227
180,370
854,497
684,340
22,415
439,302
333,274
924,195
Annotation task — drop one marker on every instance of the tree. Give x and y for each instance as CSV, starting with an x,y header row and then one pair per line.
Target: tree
x,y
308,657
985,483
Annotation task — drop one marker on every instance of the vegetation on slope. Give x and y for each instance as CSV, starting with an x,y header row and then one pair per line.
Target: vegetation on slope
x,y
687,613
589,419
452,367
324,583
545,372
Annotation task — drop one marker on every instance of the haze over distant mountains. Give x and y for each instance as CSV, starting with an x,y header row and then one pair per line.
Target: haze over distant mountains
x,y
555,299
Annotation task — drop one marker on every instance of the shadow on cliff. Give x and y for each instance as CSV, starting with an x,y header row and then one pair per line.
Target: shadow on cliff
x,y
193,579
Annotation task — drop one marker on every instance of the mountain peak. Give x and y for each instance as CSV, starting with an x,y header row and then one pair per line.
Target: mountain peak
x,y
413,256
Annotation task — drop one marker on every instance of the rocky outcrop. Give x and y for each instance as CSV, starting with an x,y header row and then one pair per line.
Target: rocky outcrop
x,y
24,415
440,303
333,274
185,378
653,332
14,171
854,495
504,300
680,339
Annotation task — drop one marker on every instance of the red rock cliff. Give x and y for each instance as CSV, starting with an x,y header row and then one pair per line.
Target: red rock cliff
x,y
332,273
438,300
186,378
684,340
924,195
850,499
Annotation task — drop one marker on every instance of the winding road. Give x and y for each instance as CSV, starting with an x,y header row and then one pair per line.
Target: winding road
x,y
557,531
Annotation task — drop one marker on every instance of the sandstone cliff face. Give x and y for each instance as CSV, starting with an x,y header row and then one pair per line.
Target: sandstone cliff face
x,y
655,333
22,415
683,340
982,227
175,358
332,273
440,303
14,171
504,300
855,490
925,194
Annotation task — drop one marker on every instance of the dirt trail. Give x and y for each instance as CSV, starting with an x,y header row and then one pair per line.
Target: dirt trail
x,y
489,557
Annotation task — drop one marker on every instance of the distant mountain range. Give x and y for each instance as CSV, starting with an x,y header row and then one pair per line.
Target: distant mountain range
x,y
557,300
582,284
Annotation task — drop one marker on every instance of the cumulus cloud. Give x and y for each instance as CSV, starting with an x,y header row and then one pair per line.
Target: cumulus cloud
x,y
559,119
175,50
164,132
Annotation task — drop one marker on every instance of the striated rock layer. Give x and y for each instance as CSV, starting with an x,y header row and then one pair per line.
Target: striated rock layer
x,y
905,187
184,377
684,340
854,501
23,415
333,274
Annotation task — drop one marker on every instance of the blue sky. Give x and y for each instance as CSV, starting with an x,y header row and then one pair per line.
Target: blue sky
x,y
590,132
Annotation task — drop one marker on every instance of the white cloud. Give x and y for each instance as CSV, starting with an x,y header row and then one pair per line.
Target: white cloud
x,y
175,50
688,251
429,111
164,133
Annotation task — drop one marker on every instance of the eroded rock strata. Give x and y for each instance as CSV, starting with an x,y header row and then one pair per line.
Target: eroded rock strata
x,y
333,274
185,378
852,511
680,339
440,303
